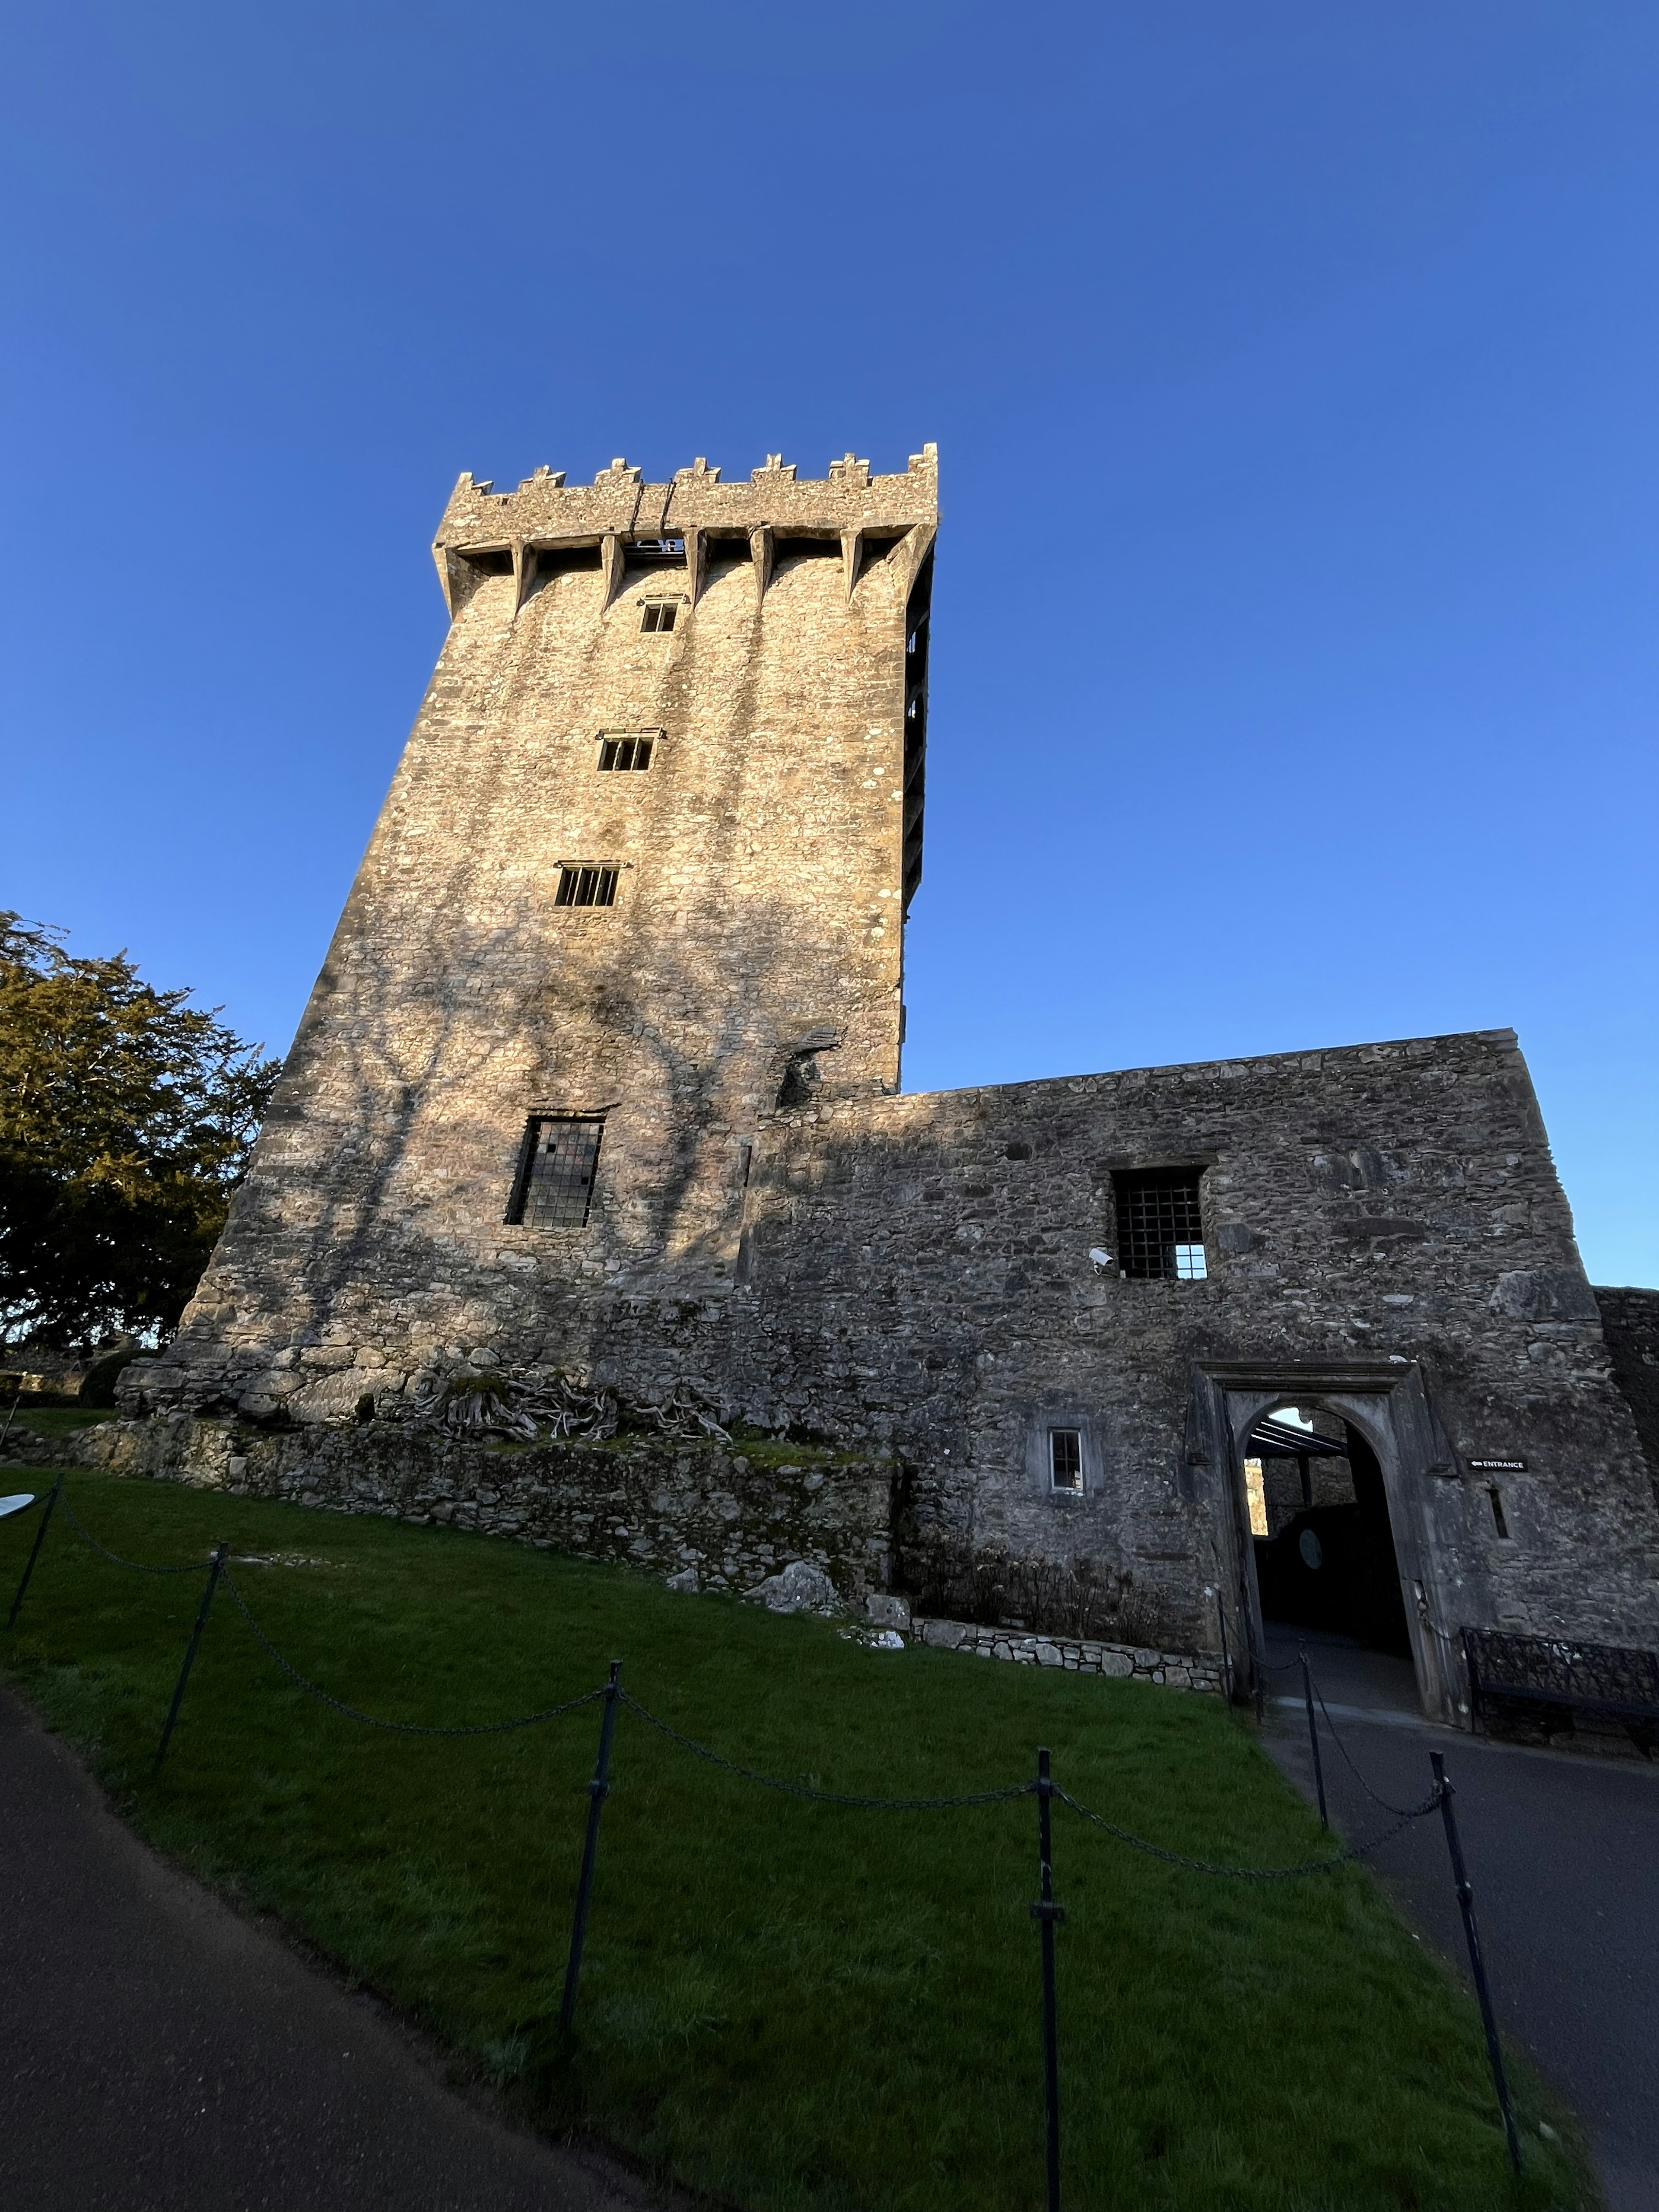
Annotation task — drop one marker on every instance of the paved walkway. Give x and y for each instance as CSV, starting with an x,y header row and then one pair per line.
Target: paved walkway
x,y
1564,1854
155,2052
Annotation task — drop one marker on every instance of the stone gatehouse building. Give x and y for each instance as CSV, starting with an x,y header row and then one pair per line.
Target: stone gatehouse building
x,y
600,1085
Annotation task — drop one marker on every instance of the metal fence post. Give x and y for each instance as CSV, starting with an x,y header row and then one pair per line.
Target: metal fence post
x,y
1047,1914
1477,1964
1313,1737
598,1791
214,1573
34,1549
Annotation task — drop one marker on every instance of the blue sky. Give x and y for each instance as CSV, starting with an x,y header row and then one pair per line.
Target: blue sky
x,y
1293,369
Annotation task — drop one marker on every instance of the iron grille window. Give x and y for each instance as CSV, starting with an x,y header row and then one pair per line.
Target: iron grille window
x,y
1160,1230
625,752
581,886
1065,1459
554,1186
658,613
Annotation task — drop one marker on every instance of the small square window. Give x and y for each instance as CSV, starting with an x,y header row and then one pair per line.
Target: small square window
x,y
633,752
554,1187
1065,1459
1189,1263
582,885
658,613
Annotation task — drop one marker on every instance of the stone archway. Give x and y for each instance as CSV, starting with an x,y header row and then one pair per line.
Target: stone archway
x,y
1387,1407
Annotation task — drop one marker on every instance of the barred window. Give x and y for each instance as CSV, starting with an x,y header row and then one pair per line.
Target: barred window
x,y
631,751
658,613
554,1186
1065,1459
1160,1230
584,885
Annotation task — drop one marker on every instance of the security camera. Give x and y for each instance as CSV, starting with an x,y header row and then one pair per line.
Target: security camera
x,y
1102,1261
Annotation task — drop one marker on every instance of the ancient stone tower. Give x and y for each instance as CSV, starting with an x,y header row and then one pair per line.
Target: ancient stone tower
x,y
642,875
600,1082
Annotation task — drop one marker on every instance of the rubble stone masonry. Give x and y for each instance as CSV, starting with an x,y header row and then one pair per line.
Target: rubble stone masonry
x,y
925,1282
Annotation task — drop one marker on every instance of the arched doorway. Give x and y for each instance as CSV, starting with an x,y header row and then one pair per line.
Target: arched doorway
x,y
1373,1445
1325,1556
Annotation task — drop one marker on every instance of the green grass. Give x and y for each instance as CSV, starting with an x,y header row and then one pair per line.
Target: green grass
x,y
788,2005
53,1420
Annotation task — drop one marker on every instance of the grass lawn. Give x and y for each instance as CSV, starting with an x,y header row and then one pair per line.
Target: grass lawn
x,y
51,1421
785,2004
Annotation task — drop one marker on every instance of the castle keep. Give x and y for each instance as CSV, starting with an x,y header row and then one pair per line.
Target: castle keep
x,y
600,1091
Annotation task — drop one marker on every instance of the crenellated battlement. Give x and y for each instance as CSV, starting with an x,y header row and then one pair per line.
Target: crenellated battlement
x,y
545,510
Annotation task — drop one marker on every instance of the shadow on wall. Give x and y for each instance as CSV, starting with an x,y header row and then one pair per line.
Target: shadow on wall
x,y
389,1153
949,1579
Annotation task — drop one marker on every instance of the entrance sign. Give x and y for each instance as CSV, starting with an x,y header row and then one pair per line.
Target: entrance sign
x,y
1497,1466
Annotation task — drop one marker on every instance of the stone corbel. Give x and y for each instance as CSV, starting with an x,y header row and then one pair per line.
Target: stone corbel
x,y
696,561
762,548
613,561
524,573
912,551
852,554
447,577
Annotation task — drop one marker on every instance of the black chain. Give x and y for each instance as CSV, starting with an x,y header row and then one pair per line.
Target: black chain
x,y
828,1797
196,1566
397,1727
1254,1873
803,1789
1348,1756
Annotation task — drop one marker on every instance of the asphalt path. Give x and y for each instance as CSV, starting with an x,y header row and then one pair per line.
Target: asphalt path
x,y
156,2051
1563,1851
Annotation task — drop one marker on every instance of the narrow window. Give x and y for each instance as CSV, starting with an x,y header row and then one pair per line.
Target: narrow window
x,y
1065,1459
1160,1230
1255,1489
1497,1520
554,1186
582,885
625,752
658,613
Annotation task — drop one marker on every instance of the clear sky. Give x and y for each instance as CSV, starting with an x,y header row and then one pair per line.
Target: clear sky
x,y
1293,372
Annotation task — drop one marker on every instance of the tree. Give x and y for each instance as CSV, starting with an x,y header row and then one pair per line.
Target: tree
x,y
126,1119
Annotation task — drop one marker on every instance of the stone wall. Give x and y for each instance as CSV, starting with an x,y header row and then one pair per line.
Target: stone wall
x,y
1386,1239
1386,1242
711,1515
1630,1322
754,944
82,1374
1177,1670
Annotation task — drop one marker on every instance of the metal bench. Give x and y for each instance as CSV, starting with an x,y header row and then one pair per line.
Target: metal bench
x,y
1549,1680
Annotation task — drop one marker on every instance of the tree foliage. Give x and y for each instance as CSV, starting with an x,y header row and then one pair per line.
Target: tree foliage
x,y
126,1119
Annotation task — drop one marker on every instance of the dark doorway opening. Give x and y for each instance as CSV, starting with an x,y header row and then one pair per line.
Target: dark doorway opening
x,y
1319,1521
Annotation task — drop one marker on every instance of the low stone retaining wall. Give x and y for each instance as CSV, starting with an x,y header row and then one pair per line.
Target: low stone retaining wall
x,y
1179,1670
29,1447
642,1501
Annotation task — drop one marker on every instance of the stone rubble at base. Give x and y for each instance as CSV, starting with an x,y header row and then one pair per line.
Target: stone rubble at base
x,y
1176,1670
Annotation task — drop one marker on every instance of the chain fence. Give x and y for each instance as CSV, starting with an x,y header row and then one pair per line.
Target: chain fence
x,y
1049,1913
1348,1756
397,1727
1252,1874
137,1567
826,1796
